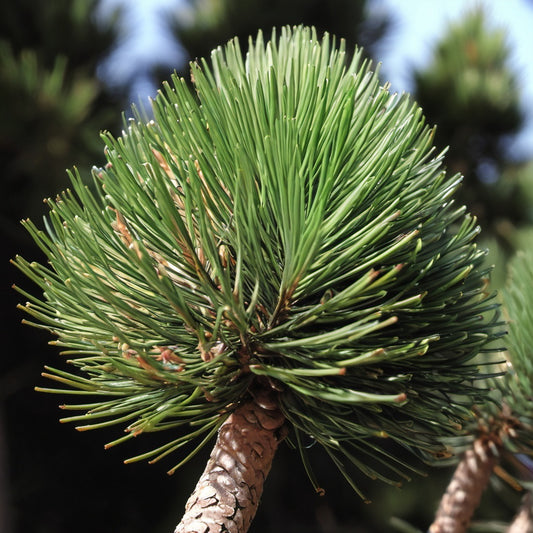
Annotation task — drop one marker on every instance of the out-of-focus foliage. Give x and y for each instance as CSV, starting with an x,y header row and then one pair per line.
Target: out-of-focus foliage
x,y
42,128
470,91
53,107
61,27
208,23
521,177
54,104
509,233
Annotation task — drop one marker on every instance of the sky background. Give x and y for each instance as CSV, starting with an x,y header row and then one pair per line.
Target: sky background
x,y
416,26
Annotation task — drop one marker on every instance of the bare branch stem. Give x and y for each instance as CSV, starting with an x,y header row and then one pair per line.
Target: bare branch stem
x,y
523,521
466,486
226,497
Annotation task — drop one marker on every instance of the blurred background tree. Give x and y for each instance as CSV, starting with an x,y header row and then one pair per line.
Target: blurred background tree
x,y
56,105
208,23
472,93
53,107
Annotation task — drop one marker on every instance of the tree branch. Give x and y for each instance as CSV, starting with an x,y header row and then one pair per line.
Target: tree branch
x,y
464,491
523,521
228,492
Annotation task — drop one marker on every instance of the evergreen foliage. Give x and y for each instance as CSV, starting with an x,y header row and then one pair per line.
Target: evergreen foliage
x,y
37,140
287,226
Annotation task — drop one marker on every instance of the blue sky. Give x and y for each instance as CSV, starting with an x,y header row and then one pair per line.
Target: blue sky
x,y
417,25
420,23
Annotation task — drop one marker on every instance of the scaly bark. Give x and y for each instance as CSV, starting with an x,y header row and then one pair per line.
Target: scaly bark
x,y
464,491
523,521
226,497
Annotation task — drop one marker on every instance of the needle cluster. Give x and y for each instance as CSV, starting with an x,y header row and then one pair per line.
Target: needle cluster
x,y
285,225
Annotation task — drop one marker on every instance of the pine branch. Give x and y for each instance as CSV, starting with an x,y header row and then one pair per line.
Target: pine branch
x,y
228,492
523,521
463,493
505,424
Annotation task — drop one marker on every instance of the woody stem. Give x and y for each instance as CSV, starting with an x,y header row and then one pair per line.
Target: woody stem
x,y
466,486
523,521
227,495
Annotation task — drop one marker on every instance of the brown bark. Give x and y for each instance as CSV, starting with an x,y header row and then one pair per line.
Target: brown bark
x,y
464,491
523,521
226,497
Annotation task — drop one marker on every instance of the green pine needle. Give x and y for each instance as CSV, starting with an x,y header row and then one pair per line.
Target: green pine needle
x,y
286,224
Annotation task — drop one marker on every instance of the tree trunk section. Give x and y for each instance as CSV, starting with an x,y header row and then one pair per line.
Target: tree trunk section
x,y
226,497
523,521
463,494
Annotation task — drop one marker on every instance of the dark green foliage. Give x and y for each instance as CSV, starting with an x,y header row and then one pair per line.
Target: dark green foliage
x,y
55,105
41,128
288,226
63,27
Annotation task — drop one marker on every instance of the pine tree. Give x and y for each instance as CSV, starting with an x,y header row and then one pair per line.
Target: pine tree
x,y
276,256
471,92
